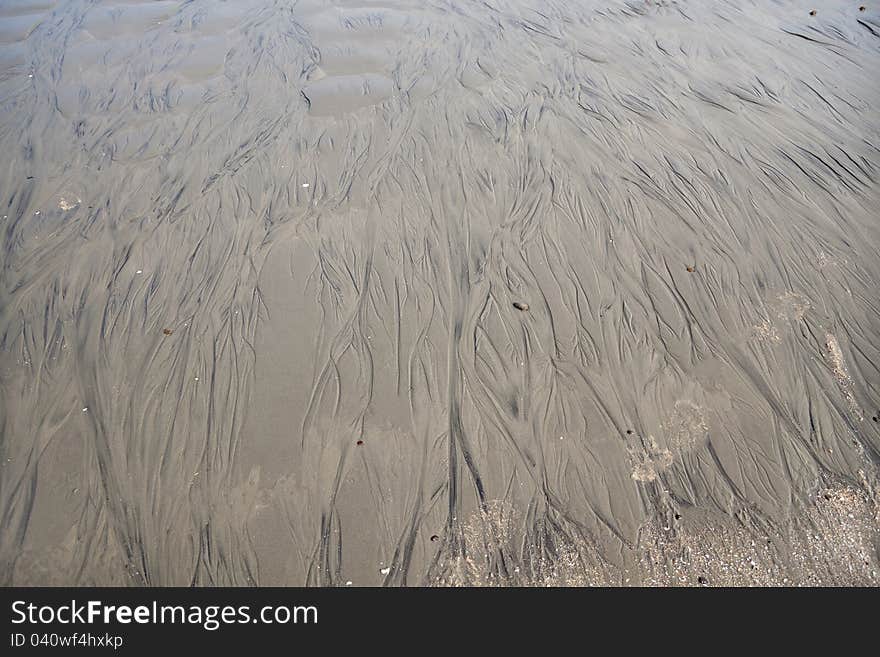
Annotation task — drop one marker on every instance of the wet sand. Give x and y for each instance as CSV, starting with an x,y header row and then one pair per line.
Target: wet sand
x,y
449,292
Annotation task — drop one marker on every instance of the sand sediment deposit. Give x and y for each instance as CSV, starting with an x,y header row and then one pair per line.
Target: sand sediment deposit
x,y
449,292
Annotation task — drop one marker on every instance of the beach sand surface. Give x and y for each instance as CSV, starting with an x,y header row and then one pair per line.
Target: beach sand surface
x,y
398,293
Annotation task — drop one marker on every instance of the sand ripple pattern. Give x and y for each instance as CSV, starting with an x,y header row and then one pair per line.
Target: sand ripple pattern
x,y
258,268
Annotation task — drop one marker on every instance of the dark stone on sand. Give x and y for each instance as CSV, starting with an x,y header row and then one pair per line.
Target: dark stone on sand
x,y
519,305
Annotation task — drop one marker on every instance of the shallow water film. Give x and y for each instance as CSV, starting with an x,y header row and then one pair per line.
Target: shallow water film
x,y
443,292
